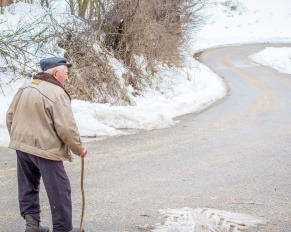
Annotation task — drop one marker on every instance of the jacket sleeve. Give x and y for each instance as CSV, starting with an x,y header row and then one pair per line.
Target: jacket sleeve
x,y
9,114
66,126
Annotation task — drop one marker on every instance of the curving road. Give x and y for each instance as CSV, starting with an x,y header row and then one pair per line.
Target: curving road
x,y
234,156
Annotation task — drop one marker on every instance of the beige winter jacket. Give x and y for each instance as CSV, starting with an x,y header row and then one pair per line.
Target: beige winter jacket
x,y
40,121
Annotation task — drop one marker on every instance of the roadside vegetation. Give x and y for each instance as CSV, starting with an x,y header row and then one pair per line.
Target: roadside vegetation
x,y
94,35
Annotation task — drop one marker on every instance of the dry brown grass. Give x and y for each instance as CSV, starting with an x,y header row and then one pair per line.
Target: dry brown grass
x,y
5,3
151,28
91,77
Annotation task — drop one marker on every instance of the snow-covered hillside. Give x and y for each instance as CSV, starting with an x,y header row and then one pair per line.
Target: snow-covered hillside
x,y
245,21
175,91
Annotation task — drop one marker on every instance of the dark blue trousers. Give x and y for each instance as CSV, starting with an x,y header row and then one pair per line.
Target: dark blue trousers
x,y
30,169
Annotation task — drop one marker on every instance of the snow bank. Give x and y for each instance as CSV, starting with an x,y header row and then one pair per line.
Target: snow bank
x,y
245,21
277,58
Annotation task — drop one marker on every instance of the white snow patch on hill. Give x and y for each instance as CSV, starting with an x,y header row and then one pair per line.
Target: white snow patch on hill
x,y
277,58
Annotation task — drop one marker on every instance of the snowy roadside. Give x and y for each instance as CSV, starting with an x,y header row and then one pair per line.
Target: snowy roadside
x,y
276,58
177,91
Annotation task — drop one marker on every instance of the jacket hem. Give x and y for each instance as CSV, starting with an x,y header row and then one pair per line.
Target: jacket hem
x,y
38,152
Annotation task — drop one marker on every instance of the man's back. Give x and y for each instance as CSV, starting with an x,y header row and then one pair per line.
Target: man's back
x,y
38,121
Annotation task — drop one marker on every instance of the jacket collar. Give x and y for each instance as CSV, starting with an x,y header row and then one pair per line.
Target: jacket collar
x,y
51,79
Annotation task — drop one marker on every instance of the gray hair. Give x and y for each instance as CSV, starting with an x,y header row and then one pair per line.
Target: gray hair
x,y
57,68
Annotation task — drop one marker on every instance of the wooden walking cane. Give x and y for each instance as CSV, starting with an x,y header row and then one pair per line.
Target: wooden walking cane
x,y
83,195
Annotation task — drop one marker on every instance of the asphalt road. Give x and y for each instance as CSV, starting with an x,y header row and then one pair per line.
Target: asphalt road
x,y
233,156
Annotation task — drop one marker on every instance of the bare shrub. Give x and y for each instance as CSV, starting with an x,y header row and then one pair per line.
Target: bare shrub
x,y
150,28
91,77
16,44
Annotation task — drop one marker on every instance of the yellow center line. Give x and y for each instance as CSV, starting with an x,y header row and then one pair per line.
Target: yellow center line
x,y
268,100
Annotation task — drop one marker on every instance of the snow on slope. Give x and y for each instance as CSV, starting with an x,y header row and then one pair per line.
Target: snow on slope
x,y
245,21
277,58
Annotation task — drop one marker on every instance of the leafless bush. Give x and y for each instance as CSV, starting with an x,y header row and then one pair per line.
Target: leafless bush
x,y
150,28
16,46
91,77
129,29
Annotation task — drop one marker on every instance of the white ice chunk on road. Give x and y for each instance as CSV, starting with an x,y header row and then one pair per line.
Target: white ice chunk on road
x,y
205,220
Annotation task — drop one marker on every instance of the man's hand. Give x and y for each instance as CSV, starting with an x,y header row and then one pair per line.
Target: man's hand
x,y
84,153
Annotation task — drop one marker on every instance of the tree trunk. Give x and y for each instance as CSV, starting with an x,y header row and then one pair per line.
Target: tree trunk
x,y
72,7
83,7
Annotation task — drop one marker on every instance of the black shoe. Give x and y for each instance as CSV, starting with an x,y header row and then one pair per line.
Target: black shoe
x,y
32,225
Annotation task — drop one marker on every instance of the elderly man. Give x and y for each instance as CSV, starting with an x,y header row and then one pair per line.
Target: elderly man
x,y
42,129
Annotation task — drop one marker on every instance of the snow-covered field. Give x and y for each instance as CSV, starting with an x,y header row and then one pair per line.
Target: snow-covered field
x,y
178,91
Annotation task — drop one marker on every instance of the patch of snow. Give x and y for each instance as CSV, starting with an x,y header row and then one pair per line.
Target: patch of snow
x,y
205,220
253,22
277,58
